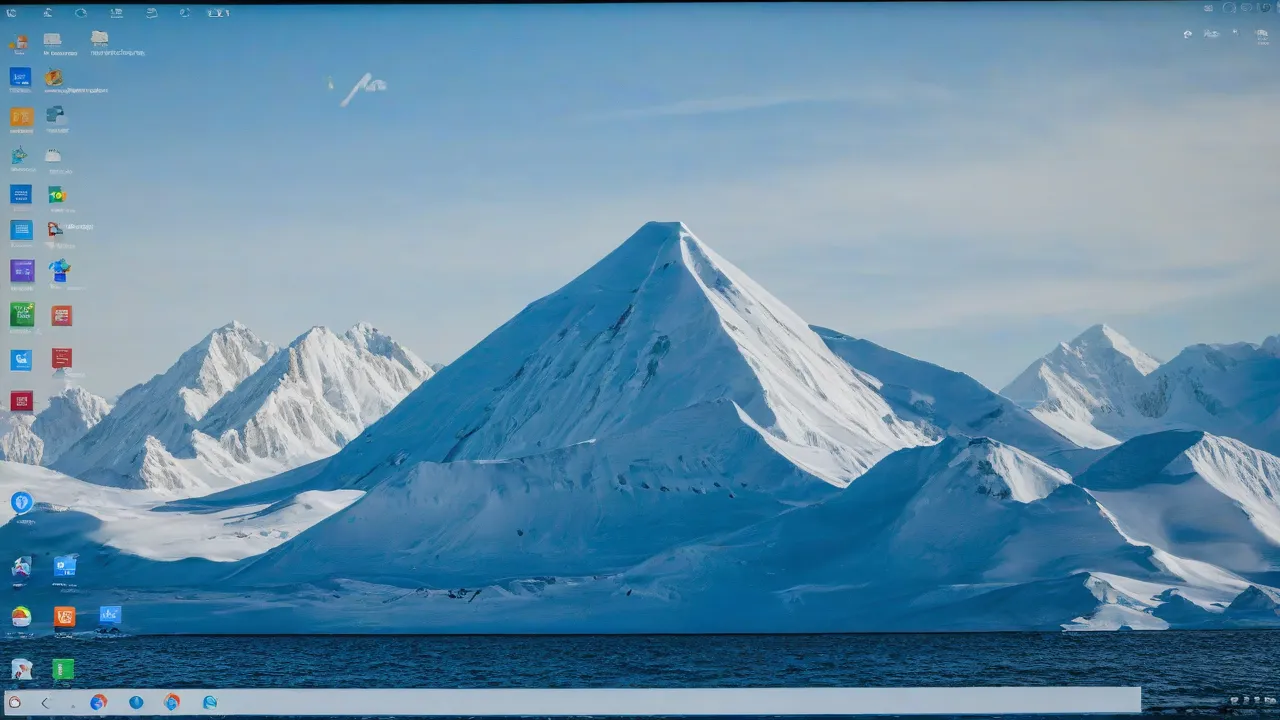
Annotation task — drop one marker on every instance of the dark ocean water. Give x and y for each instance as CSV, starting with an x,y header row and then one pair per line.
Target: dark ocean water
x,y
1179,672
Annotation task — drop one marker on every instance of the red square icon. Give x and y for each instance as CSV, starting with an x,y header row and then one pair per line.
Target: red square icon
x,y
61,315
61,358
22,401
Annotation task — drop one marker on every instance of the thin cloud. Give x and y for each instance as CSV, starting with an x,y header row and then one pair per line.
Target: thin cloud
x,y
903,93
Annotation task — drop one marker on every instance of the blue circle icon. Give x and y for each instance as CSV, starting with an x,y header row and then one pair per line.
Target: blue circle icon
x,y
210,702
135,702
22,502
97,702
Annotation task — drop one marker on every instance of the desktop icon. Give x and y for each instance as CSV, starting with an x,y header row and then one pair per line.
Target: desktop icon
x,y
55,115
22,270
171,702
19,194
64,616
61,358
19,44
22,314
52,156
20,669
210,702
152,13
81,13
98,702
184,13
116,13
64,566
135,702
22,116
21,617
53,78
19,77
22,401
60,316
110,616
19,361
98,38
60,268
52,39
54,229
64,669
21,230
57,194
21,569
17,156
22,502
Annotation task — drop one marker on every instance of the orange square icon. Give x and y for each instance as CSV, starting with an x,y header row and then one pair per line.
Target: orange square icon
x,y
64,617
61,315
22,116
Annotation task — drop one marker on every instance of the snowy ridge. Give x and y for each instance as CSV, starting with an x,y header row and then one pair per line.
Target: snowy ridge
x,y
307,402
660,324
19,443
1099,390
68,417
950,402
39,439
165,408
1084,388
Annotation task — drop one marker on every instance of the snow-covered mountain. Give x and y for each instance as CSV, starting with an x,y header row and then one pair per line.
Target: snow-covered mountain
x,y
165,409
234,409
951,403
69,415
660,325
1084,389
663,446
1099,390
306,402
39,439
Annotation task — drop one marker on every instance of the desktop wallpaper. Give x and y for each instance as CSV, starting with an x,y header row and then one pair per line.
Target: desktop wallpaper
x,y
653,319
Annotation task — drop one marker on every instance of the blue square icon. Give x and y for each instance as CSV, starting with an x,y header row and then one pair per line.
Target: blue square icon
x,y
22,230
64,566
109,615
20,360
19,77
20,194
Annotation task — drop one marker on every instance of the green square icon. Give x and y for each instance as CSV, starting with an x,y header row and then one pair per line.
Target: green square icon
x,y
64,669
22,314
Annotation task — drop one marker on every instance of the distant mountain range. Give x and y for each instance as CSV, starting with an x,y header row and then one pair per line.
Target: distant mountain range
x,y
1099,390
232,409
663,446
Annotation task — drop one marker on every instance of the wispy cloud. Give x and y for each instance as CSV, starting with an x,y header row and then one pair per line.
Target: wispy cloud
x,y
888,95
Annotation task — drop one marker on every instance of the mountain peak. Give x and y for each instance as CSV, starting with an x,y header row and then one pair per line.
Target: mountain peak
x,y
660,324
1103,337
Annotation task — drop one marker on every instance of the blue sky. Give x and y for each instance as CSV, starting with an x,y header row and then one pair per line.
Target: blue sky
x,y
967,183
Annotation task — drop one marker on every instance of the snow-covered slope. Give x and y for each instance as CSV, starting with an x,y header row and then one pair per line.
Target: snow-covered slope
x,y
1197,496
1084,389
68,417
949,401
1099,390
166,408
233,410
39,439
306,402
660,324
18,442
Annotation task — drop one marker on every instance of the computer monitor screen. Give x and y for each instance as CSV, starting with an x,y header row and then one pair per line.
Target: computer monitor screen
x,y
899,348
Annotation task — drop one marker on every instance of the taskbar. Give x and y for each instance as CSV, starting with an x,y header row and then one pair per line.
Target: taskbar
x,y
630,702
